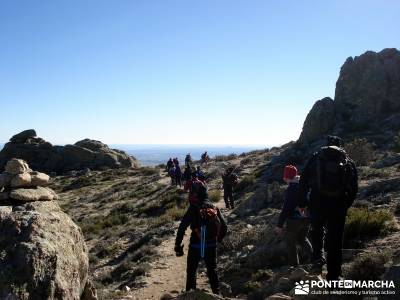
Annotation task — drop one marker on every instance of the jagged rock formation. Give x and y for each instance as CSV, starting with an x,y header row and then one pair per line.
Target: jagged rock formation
x,y
367,94
43,156
43,252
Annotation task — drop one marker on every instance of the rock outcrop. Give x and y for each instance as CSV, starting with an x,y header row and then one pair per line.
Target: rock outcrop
x,y
19,183
367,93
320,120
43,156
43,254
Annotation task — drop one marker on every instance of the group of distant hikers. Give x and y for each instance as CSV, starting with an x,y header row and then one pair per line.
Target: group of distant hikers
x,y
177,176
318,199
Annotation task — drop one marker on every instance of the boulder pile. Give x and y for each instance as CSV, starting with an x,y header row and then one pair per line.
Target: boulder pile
x,y
43,254
43,156
19,183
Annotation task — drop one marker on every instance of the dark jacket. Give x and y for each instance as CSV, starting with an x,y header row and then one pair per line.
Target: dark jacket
x,y
191,218
229,180
290,203
308,188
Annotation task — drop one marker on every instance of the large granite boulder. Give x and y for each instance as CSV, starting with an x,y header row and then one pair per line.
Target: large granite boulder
x,y
369,86
23,136
319,121
43,156
367,96
43,253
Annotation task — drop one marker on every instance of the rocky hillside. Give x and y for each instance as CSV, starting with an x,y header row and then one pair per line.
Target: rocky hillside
x,y
126,214
43,156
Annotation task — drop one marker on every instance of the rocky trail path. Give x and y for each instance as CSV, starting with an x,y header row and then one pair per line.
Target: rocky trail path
x,y
168,273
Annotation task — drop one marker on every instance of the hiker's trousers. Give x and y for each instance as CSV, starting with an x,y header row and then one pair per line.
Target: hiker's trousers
x,y
210,259
333,219
296,234
228,197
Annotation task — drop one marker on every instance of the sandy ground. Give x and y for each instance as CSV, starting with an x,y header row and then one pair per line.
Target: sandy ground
x,y
168,274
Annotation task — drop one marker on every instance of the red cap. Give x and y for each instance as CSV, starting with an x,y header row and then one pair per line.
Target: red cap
x,y
289,172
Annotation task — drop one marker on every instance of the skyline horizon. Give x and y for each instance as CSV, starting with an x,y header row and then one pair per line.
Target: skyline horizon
x,y
178,72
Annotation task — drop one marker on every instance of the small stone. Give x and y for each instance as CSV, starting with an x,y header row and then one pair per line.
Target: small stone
x,y
279,296
226,289
298,274
16,166
5,179
21,180
39,179
283,284
127,288
166,296
39,193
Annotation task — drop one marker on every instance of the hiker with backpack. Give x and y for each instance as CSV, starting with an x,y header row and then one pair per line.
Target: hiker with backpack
x,y
229,180
170,164
297,223
188,160
205,158
200,174
208,229
171,173
178,175
330,181
192,186
187,174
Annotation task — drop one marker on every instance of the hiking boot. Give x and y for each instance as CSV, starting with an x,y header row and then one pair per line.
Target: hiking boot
x,y
318,264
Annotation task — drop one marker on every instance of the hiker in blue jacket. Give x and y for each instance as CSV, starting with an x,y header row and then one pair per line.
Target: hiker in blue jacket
x,y
297,224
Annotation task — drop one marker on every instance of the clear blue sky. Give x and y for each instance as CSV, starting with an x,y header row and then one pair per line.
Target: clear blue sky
x,y
204,72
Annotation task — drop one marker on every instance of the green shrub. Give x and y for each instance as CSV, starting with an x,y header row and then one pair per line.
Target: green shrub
x,y
362,224
96,224
262,275
259,171
148,171
369,266
361,151
225,157
80,182
214,195
396,140
245,182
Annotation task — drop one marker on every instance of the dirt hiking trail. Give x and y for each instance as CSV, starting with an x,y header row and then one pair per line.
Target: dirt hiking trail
x,y
168,273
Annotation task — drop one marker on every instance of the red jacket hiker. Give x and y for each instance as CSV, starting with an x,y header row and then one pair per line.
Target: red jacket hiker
x,y
190,186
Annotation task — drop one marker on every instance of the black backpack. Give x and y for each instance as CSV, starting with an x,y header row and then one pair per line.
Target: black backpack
x,y
333,170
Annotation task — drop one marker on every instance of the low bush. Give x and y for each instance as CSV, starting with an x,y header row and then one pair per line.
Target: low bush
x,y
96,224
369,266
214,195
148,171
79,183
245,182
225,157
362,223
361,151
396,142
